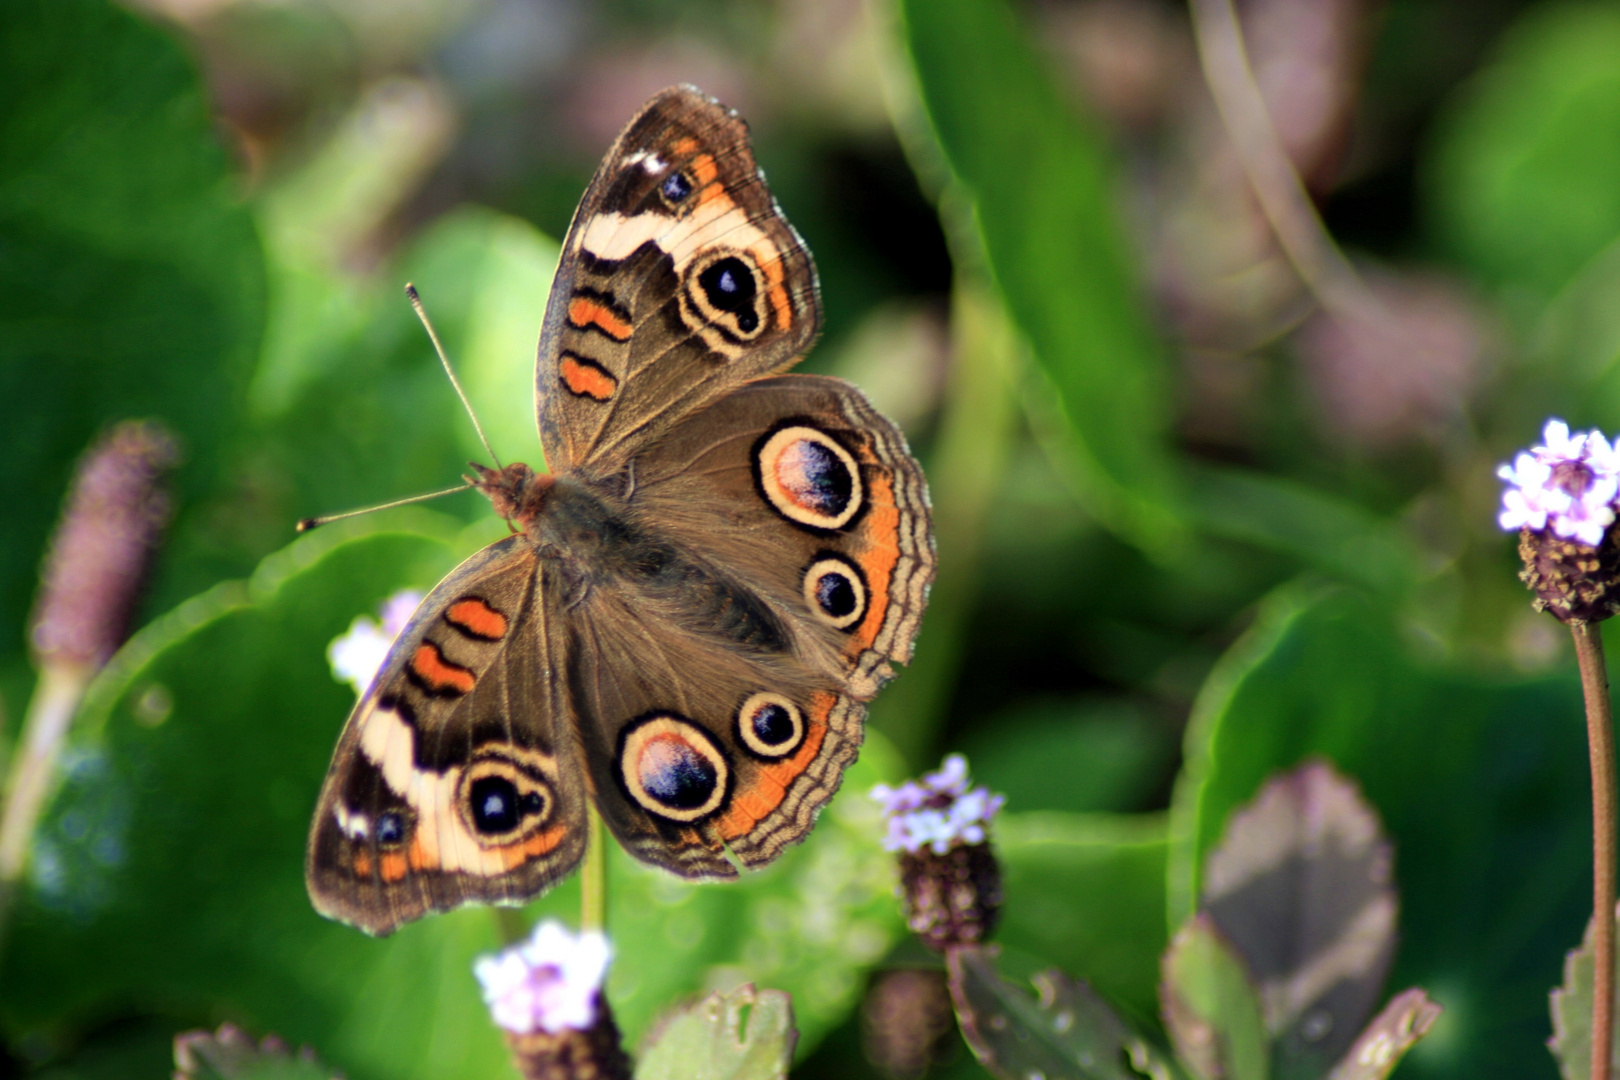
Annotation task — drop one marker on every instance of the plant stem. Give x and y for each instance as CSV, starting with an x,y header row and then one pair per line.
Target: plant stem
x,y
593,877
56,698
1600,739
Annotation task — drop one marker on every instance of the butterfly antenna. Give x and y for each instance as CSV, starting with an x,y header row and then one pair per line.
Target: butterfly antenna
x,y
309,523
438,346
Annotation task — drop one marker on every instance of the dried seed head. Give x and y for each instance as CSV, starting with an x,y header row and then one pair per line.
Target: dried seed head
x,y
97,561
906,1021
1575,582
954,898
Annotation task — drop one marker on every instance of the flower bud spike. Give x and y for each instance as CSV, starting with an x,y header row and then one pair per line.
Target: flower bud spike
x,y
949,878
1561,497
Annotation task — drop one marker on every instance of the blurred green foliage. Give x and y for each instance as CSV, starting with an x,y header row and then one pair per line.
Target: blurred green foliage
x,y
1158,529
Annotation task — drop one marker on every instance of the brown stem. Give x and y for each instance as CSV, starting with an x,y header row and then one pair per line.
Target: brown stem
x,y
1600,738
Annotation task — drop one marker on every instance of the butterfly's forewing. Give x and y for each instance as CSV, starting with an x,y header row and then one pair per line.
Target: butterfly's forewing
x,y
456,778
679,279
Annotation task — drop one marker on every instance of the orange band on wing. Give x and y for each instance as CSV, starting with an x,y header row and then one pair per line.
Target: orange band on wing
x,y
477,618
583,312
362,863
585,379
878,560
768,787
515,855
393,866
439,674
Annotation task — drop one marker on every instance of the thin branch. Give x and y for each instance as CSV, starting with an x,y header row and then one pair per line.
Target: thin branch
x,y
1600,739
1276,184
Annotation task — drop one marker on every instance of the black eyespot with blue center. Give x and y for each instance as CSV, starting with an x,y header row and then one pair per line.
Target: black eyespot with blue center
x,y
676,187
390,828
835,590
770,725
728,284
672,767
495,805
835,593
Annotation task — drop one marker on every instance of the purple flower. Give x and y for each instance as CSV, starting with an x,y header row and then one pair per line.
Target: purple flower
x,y
1568,485
356,655
939,811
549,983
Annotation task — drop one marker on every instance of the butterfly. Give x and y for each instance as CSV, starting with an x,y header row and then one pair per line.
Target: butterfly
x,y
698,600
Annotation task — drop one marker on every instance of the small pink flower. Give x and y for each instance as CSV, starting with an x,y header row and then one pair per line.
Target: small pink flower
x,y
939,811
1568,485
549,983
356,655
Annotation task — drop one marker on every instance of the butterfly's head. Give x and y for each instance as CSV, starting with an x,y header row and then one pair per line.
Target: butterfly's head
x,y
516,491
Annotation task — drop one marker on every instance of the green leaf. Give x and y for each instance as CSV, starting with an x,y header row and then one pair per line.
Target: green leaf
x,y
230,1054
131,282
1521,182
188,785
1300,886
1065,1032
1377,1050
1323,532
747,1034
1571,1041
1086,892
1048,233
1211,1006
1481,781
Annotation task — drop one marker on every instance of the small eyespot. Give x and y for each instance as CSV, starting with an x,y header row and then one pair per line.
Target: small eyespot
x,y
390,828
835,591
675,187
673,768
770,725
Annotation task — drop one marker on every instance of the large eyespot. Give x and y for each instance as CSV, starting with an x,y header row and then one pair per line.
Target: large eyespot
x,y
675,188
770,725
723,290
673,768
501,799
835,591
808,477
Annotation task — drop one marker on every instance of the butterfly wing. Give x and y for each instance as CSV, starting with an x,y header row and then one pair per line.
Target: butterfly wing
x,y
679,278
456,778
794,528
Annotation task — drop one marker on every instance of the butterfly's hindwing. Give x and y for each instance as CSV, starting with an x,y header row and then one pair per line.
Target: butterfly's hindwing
x,y
455,779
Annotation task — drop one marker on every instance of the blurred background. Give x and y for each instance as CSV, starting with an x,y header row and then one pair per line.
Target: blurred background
x,y
1210,397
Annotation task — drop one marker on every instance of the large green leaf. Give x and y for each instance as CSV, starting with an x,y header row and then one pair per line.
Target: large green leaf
x,y
1041,198
1481,783
168,876
131,281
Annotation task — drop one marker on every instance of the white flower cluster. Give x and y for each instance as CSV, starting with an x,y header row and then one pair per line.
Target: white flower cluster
x,y
938,811
548,983
1568,485
356,655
